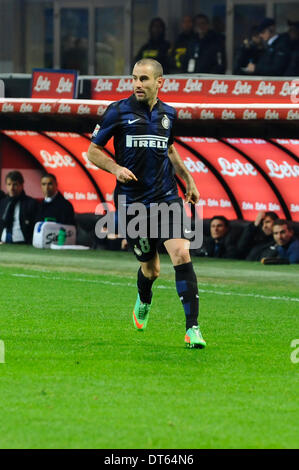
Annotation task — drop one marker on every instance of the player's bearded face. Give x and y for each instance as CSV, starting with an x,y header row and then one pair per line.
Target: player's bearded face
x,y
145,84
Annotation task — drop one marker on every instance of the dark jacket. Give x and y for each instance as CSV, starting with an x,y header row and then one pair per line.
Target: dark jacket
x,y
247,53
177,60
292,69
289,252
252,242
225,248
208,53
28,210
275,58
158,50
2,194
59,209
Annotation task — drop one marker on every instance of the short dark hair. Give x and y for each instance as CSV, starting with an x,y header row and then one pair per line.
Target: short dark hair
x,y
204,17
221,217
49,175
15,176
272,215
157,67
267,23
281,222
157,20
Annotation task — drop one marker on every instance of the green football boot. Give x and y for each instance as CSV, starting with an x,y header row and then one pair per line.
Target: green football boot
x,y
140,314
194,339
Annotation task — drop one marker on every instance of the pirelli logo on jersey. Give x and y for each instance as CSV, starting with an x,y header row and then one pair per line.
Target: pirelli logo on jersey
x,y
146,141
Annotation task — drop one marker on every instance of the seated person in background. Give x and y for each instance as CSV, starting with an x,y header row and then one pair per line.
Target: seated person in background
x,y
286,245
276,55
17,211
250,51
54,206
220,244
256,236
157,47
178,52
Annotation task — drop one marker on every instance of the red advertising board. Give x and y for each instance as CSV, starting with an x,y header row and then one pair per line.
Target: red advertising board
x,y
250,189
72,180
78,146
48,83
198,89
213,197
202,108
290,144
279,166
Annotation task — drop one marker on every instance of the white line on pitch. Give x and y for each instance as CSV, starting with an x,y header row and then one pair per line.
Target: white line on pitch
x,y
111,283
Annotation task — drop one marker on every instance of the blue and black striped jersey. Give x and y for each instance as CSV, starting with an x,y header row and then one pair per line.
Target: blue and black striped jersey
x,y
141,141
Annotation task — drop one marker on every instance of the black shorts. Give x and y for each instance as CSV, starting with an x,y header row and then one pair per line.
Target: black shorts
x,y
156,228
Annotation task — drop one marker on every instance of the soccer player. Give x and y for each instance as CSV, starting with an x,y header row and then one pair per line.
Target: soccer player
x,y
144,166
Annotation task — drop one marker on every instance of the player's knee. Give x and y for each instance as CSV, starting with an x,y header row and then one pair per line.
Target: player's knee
x,y
154,274
151,273
180,256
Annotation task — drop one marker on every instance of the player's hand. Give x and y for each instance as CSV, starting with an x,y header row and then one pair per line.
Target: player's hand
x,y
192,195
124,175
259,218
250,68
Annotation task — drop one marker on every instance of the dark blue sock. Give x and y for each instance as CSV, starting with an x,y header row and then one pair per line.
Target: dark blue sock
x,y
186,286
144,287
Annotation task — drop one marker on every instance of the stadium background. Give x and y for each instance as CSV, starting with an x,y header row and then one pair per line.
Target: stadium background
x,y
66,383
251,166
236,136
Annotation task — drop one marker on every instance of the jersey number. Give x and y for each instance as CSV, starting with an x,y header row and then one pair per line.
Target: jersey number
x,y
144,245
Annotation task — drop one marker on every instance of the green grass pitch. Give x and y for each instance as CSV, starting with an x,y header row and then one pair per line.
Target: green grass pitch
x,y
77,374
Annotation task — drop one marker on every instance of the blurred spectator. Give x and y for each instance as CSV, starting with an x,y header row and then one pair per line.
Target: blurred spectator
x,y
293,67
179,50
218,23
17,211
250,51
206,53
105,54
221,243
54,206
2,194
75,55
157,47
286,247
276,56
67,44
257,236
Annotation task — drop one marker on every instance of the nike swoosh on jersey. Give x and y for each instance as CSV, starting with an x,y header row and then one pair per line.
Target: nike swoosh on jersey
x,y
133,120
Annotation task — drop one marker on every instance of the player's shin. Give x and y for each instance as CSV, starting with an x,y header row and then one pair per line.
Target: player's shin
x,y
144,285
186,285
